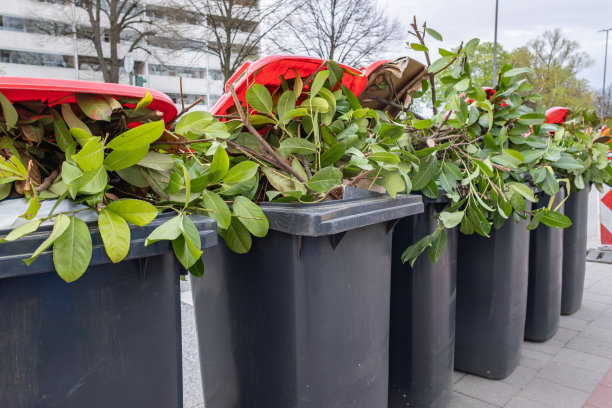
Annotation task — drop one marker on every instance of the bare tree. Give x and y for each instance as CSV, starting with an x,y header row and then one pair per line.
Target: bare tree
x,y
348,31
106,24
232,30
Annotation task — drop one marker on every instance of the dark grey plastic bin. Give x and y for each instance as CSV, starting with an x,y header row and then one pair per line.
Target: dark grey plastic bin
x,y
110,339
574,251
422,336
302,320
545,270
492,300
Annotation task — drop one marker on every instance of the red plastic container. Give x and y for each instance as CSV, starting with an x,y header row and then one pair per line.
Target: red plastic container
x,y
556,115
45,89
267,71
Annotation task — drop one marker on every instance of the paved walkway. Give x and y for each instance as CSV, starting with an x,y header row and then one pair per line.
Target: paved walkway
x,y
565,372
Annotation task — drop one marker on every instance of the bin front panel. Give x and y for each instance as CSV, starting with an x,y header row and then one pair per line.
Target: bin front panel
x,y
110,339
545,270
492,276
422,332
574,251
297,322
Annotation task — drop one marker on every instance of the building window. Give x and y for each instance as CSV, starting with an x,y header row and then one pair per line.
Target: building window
x,y
177,71
216,75
36,58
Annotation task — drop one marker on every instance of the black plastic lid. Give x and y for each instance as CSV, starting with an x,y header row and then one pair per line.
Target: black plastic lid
x,y
13,253
358,208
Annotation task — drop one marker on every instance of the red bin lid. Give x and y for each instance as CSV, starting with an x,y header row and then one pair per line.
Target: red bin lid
x,y
50,90
556,115
267,71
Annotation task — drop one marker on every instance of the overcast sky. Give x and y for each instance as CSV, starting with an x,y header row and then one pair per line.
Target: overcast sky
x,y
519,21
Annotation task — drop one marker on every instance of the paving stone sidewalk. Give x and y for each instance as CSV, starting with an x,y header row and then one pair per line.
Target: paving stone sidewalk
x,y
565,372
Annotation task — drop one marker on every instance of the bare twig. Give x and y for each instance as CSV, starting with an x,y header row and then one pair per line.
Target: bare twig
x,y
306,166
277,159
358,178
185,110
47,181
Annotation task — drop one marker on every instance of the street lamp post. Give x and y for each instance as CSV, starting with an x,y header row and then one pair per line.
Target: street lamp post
x,y
603,91
495,48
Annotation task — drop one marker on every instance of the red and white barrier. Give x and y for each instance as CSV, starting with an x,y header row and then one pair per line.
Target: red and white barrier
x,y
605,217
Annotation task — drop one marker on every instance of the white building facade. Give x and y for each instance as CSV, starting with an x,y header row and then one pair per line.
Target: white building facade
x,y
28,49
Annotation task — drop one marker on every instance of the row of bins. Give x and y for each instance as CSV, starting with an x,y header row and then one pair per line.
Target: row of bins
x,y
319,313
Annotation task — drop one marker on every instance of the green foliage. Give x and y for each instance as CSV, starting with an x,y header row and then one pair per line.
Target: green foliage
x,y
490,149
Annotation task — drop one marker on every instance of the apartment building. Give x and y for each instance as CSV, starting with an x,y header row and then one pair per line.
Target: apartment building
x,y
30,46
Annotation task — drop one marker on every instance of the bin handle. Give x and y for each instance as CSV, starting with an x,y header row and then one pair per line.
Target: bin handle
x,y
237,74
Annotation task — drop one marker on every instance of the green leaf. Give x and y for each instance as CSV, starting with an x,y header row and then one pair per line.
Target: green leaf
x,y
568,163
438,242
413,251
386,157
145,101
317,82
193,122
451,219
532,119
297,145
393,182
439,64
259,98
333,154
72,120
243,171
33,207
94,106
255,221
522,190
187,246
535,221
61,224
286,103
115,234
293,113
133,175
137,212
8,111
418,47
426,172
221,212
93,181
298,84
326,178
81,135
237,237
91,156
138,137
197,269
122,159
316,104
12,170
555,219
157,161
219,165
515,72
62,134
72,251
471,45
169,230
21,231
336,73
422,124
434,33
282,181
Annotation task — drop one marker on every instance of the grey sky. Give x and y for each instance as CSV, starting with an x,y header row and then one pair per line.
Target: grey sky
x,y
519,21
